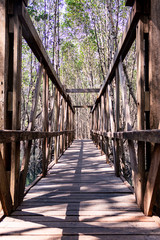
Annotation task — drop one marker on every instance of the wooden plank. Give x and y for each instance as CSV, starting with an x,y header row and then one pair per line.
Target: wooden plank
x,y
117,118
140,110
112,126
65,124
84,106
56,125
61,211
82,237
3,43
16,108
7,136
31,36
153,182
45,123
154,61
141,135
62,126
5,195
83,90
59,122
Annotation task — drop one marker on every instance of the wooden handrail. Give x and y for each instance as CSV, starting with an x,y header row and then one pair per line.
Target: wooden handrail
x,y
141,135
123,48
32,38
7,136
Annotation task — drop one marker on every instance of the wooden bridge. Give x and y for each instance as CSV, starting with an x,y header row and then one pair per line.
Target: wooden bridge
x,y
79,195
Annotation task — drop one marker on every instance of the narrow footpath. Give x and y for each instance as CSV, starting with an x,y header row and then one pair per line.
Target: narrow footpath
x,y
79,199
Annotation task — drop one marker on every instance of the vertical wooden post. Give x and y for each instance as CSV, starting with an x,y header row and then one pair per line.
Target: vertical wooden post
x,y
56,125
107,124
112,124
45,122
73,114
72,134
153,180
117,125
3,43
140,111
102,121
66,125
94,124
99,124
62,126
14,80
5,196
69,125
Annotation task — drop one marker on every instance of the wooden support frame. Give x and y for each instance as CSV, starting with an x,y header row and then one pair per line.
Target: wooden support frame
x,y
83,90
31,36
45,122
56,124
123,47
153,182
84,106
5,195
15,21
117,117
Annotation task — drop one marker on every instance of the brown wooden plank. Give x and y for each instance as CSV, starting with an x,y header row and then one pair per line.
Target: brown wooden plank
x,y
16,108
51,208
83,228
83,90
7,136
45,123
3,43
140,135
82,237
153,181
154,61
56,125
5,195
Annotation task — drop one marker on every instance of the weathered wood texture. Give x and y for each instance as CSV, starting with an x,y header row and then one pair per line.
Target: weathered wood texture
x,y
83,90
79,199
154,61
84,106
153,182
5,195
2,58
141,135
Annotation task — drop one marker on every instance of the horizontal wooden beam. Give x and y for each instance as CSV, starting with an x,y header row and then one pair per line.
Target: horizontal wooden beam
x,y
141,135
84,106
7,136
32,38
129,3
123,47
81,90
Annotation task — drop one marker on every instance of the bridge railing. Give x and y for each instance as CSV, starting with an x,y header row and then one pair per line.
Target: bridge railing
x,y
142,141
57,119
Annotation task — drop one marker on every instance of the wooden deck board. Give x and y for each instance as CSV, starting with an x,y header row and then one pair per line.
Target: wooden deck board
x,y
79,199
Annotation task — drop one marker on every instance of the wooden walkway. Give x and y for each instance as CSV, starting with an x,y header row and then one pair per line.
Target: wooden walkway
x,y
79,199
